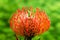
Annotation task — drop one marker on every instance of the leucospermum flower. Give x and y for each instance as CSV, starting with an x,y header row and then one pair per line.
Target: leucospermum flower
x,y
28,23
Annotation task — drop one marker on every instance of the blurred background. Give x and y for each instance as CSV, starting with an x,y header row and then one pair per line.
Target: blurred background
x,y
51,7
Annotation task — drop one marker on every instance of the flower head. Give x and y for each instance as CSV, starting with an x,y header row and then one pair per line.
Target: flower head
x,y
27,23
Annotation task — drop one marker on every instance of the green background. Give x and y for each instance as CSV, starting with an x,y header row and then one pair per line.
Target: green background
x,y
51,7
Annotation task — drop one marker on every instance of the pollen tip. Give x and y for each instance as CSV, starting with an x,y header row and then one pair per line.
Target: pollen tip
x,y
37,9
31,8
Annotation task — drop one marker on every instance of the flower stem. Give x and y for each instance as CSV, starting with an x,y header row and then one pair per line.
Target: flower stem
x,y
16,37
28,38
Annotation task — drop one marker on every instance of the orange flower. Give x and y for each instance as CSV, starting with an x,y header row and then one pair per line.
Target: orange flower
x,y
27,23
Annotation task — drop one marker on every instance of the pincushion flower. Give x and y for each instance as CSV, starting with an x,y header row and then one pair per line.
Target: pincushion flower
x,y
27,23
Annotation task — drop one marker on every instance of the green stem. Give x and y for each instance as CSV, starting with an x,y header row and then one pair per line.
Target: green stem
x,y
28,38
16,37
